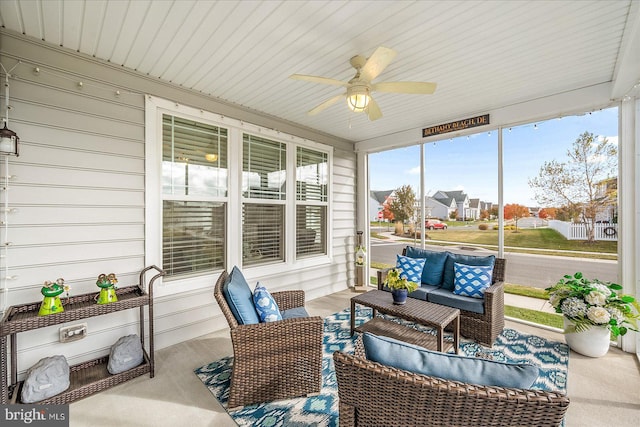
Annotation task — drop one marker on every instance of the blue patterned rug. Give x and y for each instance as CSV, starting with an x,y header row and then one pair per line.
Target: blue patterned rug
x,y
511,346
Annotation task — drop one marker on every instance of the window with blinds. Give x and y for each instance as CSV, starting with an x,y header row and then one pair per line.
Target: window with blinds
x,y
194,158
264,167
311,202
193,237
194,191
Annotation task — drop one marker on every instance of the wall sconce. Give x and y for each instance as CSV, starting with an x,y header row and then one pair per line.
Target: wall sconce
x,y
8,138
8,141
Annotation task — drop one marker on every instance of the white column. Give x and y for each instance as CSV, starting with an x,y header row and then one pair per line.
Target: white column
x,y
629,208
362,211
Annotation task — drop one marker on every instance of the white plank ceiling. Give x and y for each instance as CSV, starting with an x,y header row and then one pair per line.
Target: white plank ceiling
x,y
483,54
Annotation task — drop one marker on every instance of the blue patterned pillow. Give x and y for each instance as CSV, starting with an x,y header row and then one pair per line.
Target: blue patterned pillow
x,y
265,304
411,268
471,280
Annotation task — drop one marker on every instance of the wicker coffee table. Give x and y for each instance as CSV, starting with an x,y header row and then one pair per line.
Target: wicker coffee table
x,y
414,310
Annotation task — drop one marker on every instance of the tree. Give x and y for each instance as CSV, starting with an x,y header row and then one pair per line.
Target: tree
x,y
386,212
402,204
515,211
484,214
573,185
494,211
545,213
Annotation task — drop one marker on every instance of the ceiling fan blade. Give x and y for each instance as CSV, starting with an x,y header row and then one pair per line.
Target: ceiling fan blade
x,y
328,103
377,62
317,79
373,110
405,87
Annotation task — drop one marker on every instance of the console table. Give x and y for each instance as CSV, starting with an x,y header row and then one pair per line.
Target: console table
x,y
88,377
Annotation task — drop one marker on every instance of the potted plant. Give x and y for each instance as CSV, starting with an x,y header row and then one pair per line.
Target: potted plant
x,y
400,286
594,311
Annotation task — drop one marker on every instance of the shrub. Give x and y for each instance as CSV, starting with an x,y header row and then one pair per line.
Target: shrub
x,y
483,226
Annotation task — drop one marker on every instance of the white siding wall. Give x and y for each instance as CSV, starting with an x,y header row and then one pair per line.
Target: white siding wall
x,y
79,193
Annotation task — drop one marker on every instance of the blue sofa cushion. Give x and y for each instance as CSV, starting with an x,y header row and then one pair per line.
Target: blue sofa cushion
x,y
294,313
448,281
411,268
401,355
422,292
445,297
240,299
433,266
266,306
471,280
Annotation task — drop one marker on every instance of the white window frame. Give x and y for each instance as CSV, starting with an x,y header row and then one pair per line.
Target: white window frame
x,y
154,109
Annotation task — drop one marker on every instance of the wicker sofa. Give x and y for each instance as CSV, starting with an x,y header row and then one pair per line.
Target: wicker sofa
x,y
396,397
482,327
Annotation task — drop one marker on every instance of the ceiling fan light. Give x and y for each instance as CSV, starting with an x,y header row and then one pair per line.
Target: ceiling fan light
x,y
358,98
358,102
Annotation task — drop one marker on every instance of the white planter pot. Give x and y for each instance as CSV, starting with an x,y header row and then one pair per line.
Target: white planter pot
x,y
594,342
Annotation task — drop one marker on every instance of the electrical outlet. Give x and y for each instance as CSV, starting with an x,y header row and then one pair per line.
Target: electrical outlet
x,y
73,333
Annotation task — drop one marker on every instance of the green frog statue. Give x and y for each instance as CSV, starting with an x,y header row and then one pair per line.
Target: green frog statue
x,y
107,285
51,303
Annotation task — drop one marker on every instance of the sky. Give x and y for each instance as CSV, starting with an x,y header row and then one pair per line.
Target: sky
x,y
470,163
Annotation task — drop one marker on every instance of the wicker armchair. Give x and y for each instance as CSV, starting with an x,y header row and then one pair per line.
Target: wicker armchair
x,y
275,360
483,328
373,395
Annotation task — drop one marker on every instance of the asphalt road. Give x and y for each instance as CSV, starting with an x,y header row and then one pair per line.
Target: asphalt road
x,y
540,271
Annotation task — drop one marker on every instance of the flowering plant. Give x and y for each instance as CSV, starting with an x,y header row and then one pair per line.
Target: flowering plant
x,y
590,303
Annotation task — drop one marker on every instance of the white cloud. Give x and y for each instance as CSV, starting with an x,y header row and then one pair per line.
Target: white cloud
x,y
414,171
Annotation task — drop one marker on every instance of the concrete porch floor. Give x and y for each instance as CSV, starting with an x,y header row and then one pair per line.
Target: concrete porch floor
x,y
604,391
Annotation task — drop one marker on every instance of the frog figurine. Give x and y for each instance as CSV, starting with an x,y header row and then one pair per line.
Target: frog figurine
x,y
51,303
107,283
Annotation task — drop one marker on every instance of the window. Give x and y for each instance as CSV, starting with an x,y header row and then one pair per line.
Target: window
x,y
264,194
311,202
194,190
221,192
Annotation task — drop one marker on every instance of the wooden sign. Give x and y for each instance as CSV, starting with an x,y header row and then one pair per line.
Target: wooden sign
x,y
455,126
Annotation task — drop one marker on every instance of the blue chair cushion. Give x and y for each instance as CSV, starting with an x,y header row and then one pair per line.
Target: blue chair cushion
x,y
448,281
401,355
448,298
294,313
266,306
433,266
240,299
411,268
471,280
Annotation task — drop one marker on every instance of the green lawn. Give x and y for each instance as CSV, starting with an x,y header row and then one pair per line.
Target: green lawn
x,y
536,240
534,316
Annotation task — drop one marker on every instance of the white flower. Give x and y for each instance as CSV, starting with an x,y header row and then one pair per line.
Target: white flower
x,y
596,298
598,315
574,307
599,287
615,314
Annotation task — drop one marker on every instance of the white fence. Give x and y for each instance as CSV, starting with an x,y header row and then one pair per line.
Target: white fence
x,y
579,231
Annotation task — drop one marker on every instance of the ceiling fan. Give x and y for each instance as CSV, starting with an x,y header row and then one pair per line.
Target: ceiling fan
x,y
359,88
